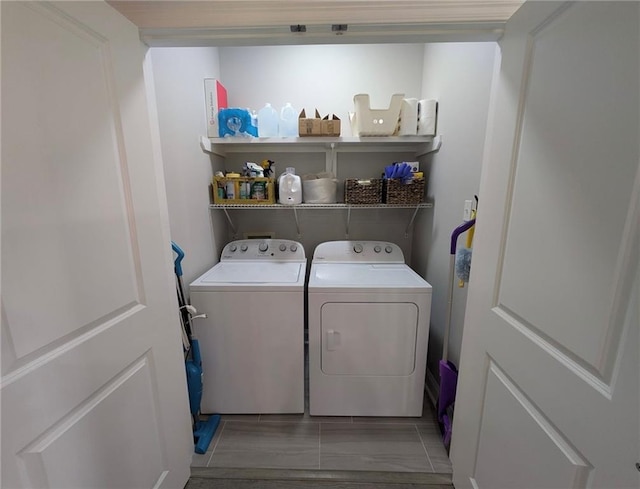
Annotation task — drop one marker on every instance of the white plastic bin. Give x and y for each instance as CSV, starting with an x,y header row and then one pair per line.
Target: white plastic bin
x,y
376,122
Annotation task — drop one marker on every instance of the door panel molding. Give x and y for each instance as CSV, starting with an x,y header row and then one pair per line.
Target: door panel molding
x,y
39,459
624,275
80,194
24,365
611,300
523,420
561,354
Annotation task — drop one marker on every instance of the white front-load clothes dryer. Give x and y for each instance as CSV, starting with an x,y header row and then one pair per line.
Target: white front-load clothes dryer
x,y
252,340
368,315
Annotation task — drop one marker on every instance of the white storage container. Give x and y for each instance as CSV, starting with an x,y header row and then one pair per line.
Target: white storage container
x,y
319,191
376,122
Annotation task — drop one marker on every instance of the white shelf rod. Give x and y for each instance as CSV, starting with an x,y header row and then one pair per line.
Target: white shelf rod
x,y
406,231
233,228
295,215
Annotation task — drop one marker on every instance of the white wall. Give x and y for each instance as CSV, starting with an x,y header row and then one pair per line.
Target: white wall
x,y
178,74
323,77
459,76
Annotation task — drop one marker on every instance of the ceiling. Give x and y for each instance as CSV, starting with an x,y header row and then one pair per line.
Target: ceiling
x,y
266,22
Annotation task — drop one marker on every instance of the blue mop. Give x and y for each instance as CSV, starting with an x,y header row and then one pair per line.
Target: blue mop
x,y
203,430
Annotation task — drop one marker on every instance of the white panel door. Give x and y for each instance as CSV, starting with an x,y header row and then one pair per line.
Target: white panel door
x,y
93,385
548,389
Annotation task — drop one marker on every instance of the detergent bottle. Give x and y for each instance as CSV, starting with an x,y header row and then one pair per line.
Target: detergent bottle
x,y
290,187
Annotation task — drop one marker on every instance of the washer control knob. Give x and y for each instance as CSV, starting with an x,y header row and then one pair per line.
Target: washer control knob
x,y
294,248
244,247
357,248
388,249
263,247
233,248
283,247
377,249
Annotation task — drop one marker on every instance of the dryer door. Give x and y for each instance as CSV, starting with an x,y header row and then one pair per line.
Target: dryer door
x,y
363,338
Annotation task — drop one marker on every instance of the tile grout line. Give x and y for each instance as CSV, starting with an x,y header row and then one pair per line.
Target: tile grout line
x,y
224,424
425,448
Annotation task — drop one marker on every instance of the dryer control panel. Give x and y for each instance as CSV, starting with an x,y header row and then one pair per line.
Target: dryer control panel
x,y
358,252
263,249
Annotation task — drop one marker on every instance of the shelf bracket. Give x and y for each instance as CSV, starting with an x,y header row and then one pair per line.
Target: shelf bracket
x,y
295,215
233,228
413,218
431,147
206,145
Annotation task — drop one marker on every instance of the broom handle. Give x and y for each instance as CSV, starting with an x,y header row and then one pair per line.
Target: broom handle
x,y
445,341
454,242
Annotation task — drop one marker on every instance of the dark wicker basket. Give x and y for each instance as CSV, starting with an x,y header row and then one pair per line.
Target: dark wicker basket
x,y
363,191
396,192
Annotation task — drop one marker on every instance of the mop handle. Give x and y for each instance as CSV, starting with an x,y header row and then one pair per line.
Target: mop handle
x,y
454,243
177,264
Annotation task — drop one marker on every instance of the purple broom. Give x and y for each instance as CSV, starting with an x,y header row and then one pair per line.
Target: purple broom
x,y
448,371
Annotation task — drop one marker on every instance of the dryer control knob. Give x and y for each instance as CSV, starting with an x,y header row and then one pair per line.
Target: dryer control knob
x,y
377,249
263,247
294,248
357,248
244,247
233,248
283,247
388,249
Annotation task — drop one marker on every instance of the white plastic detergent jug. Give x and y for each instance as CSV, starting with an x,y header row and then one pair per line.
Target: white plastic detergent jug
x,y
288,122
268,122
290,187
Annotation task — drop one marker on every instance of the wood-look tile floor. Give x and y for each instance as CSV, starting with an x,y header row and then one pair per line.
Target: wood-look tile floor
x,y
300,441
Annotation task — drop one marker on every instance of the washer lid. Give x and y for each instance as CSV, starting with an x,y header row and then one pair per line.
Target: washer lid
x,y
351,276
261,274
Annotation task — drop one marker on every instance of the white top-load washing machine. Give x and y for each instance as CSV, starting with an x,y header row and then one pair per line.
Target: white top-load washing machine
x,y
368,331
252,340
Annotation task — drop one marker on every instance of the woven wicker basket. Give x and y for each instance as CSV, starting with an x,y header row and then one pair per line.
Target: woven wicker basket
x,y
363,191
396,192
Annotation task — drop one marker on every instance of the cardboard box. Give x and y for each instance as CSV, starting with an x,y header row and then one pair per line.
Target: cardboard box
x,y
309,126
331,125
215,96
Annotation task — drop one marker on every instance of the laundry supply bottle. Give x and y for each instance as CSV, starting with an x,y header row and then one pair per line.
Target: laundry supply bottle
x,y
231,187
288,126
290,187
268,122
